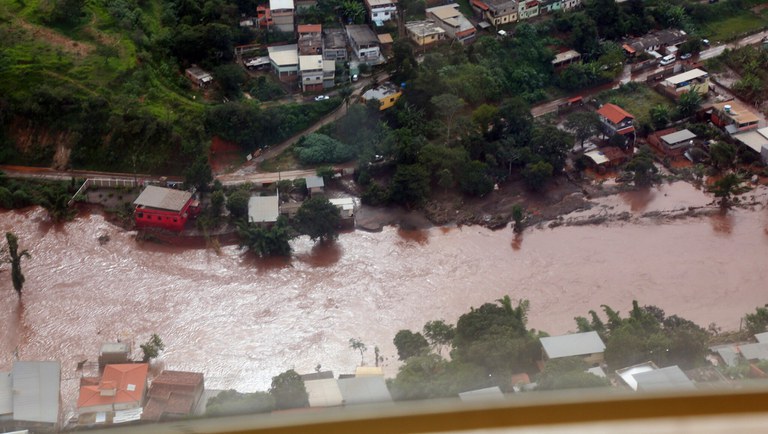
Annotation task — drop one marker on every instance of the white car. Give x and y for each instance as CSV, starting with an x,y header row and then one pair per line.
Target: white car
x,y
685,56
321,97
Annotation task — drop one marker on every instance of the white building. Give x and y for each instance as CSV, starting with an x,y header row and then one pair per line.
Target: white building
x,y
381,10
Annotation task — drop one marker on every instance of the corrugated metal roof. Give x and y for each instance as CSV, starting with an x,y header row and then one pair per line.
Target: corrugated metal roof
x,y
678,136
36,387
323,393
752,139
364,390
729,355
628,374
487,394
284,55
687,76
314,181
6,393
669,378
597,156
163,198
263,209
757,351
762,337
576,344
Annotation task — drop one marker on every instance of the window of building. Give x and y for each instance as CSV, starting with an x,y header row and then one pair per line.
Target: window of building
x,y
140,215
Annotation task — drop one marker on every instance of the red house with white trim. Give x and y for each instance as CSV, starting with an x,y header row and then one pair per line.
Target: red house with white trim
x,y
164,208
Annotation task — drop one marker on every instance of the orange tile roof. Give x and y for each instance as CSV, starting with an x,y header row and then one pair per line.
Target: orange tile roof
x,y
310,28
128,380
614,113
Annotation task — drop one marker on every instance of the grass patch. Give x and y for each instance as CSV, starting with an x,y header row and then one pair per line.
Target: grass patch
x,y
636,99
285,161
735,26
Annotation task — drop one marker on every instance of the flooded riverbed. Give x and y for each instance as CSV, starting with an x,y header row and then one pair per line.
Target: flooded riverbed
x,y
241,320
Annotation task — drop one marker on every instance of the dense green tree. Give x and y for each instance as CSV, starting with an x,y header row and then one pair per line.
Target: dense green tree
x,y
568,373
474,178
643,168
199,174
319,148
410,344
319,219
583,124
409,185
726,188
358,345
14,258
447,106
757,322
722,155
267,241
659,116
552,145
689,103
217,203
431,376
151,349
231,402
288,391
230,78
439,334
237,203
537,174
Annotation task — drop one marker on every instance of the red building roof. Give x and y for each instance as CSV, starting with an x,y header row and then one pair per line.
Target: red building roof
x,y
173,393
480,5
614,113
119,384
309,28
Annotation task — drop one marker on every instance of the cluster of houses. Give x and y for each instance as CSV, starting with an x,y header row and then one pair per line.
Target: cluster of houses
x,y
170,209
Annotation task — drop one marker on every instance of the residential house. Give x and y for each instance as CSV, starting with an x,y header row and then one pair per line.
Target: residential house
x,y
334,44
324,393
173,395
527,9
734,117
311,72
616,120
369,371
164,208
385,42
606,157
263,209
364,43
319,375
424,32
558,5
566,58
380,11
587,346
36,392
282,15
655,41
482,395
118,395
198,76
310,39
364,390
387,94
672,142
285,61
695,80
496,12
755,140
315,184
666,379
264,17
456,25
754,352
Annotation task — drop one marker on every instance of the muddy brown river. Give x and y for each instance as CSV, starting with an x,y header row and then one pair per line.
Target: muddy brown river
x,y
241,320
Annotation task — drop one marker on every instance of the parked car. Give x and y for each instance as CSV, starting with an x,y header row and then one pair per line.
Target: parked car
x,y
321,97
705,42
685,56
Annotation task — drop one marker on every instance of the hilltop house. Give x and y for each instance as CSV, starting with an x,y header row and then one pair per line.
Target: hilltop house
x,y
334,44
455,24
311,71
198,76
380,11
364,43
310,39
527,9
282,15
587,346
424,32
616,120
496,12
164,208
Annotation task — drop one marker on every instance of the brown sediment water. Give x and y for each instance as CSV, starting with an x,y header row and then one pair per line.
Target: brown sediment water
x,y
242,320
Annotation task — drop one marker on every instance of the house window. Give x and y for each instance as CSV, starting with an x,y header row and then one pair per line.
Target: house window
x,y
140,215
175,220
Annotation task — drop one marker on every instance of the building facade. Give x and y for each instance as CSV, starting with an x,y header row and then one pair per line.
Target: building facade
x,y
164,208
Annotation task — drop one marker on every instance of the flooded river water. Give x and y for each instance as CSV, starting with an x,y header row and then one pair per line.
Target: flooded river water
x,y
241,320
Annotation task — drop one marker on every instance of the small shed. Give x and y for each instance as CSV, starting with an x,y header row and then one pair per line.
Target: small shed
x,y
671,142
114,353
198,76
315,184
628,374
664,379
36,391
263,209
346,206
587,346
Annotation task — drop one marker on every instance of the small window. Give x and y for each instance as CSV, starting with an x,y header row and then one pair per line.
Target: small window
x,y
175,220
140,215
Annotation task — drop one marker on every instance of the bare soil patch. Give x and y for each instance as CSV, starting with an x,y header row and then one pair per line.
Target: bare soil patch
x,y
69,45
